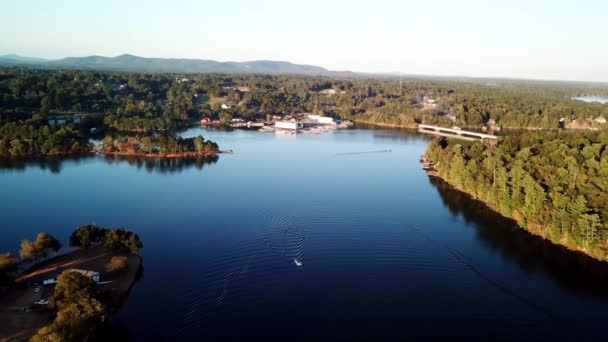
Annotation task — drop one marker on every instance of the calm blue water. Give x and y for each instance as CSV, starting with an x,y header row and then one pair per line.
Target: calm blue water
x,y
386,252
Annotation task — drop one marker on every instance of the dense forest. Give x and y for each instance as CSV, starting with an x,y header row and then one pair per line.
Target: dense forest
x,y
552,184
33,138
56,112
157,101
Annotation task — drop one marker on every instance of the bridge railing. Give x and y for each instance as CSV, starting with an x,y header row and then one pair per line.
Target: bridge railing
x,y
454,132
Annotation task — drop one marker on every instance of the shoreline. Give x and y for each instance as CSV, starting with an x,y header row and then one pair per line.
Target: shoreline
x,y
385,125
164,156
121,154
502,128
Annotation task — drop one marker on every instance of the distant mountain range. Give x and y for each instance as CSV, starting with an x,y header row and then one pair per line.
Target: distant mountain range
x,y
131,63
178,65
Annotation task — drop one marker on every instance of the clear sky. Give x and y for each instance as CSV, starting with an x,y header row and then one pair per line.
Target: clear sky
x,y
516,38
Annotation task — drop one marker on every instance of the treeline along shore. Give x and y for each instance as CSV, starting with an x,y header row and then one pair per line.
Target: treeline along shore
x,y
55,112
553,184
159,146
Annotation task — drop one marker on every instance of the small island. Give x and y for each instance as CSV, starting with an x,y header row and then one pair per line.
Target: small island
x,y
158,146
54,294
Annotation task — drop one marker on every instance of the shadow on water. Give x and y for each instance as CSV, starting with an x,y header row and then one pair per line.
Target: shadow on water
x,y
394,134
571,271
152,165
116,329
163,165
52,164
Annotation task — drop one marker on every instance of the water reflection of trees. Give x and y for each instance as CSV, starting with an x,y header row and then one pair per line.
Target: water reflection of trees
x,y
159,165
116,329
397,135
163,165
52,164
571,271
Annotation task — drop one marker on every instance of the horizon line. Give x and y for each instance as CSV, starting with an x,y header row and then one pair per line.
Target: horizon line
x,y
368,73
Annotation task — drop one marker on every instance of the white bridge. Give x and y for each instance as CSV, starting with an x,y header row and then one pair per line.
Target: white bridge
x,y
454,133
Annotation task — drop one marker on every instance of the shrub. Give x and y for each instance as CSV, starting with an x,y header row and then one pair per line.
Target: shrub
x,y
71,287
117,264
120,239
39,248
8,262
8,265
28,250
79,311
85,236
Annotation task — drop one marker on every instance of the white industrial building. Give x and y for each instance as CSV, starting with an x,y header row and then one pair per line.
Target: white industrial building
x,y
64,119
292,125
325,120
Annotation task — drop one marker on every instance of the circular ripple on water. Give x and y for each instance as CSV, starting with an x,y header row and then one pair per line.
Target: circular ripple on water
x,y
280,237
284,235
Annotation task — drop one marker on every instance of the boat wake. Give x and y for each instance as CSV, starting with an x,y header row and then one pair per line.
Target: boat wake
x,y
364,152
285,236
280,233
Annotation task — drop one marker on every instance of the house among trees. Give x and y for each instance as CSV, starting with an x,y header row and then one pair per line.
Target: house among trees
x,y
327,92
120,87
60,120
89,274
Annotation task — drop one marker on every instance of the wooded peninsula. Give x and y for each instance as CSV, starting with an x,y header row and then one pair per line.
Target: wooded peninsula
x,y
552,184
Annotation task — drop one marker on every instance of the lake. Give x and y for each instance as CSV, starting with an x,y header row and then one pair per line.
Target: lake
x,y
385,251
589,98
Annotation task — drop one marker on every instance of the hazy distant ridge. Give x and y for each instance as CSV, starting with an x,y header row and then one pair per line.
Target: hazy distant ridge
x,y
181,65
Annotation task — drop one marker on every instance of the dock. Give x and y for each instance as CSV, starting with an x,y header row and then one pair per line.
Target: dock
x,y
429,167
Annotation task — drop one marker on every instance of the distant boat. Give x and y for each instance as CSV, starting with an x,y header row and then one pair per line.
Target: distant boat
x,y
297,262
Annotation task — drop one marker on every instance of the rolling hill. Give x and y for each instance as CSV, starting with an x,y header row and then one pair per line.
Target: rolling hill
x,y
133,63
